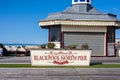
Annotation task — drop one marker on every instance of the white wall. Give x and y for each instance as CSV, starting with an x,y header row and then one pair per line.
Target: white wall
x,y
117,40
84,29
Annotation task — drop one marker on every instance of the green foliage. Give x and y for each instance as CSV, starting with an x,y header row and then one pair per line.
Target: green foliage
x,y
71,46
30,66
51,45
85,46
43,46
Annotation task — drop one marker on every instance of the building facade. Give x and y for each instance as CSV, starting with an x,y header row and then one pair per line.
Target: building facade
x,y
117,40
82,24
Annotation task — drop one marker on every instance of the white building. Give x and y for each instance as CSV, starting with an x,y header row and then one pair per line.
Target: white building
x,y
81,23
117,40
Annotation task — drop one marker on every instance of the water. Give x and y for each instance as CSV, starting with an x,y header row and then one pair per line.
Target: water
x,y
21,45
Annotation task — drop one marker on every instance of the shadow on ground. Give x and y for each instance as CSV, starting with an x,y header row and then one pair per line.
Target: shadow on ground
x,y
95,63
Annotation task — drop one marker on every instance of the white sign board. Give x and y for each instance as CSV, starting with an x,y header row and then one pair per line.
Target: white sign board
x,y
60,57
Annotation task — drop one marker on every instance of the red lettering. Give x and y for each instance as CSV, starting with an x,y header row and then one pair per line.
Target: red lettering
x,y
60,58
82,58
85,57
35,57
40,58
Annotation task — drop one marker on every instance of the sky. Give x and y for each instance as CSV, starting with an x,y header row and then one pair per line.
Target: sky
x,y
19,18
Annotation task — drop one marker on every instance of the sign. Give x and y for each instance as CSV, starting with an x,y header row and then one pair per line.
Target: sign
x,y
60,57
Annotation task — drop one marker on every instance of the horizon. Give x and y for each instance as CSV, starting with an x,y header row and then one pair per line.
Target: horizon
x,y
19,18
20,44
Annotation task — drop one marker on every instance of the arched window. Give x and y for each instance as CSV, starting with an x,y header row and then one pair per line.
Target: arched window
x,y
82,0
75,0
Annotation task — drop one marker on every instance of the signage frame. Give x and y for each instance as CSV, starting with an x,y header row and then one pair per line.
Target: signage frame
x,y
60,57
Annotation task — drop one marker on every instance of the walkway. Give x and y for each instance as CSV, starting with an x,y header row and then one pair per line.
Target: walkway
x,y
59,74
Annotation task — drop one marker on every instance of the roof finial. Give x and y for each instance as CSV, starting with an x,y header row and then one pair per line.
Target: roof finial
x,y
81,1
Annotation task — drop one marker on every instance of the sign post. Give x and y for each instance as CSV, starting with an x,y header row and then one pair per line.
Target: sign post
x,y
60,57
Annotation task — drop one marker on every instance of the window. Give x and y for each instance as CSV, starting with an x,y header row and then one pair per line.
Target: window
x,y
55,34
82,0
75,0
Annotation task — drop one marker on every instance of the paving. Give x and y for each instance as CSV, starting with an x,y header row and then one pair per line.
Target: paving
x,y
59,73
13,59
106,60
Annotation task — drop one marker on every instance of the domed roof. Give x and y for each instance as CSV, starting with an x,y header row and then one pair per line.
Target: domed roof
x,y
81,10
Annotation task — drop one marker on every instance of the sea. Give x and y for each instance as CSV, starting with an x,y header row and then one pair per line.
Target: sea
x,y
17,45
